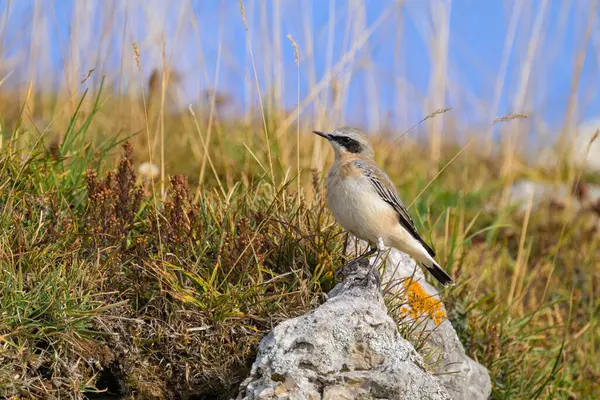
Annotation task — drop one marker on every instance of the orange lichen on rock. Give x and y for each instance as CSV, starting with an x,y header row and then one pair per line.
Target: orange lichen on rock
x,y
420,302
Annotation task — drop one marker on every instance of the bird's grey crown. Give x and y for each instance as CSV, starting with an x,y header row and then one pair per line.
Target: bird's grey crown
x,y
352,133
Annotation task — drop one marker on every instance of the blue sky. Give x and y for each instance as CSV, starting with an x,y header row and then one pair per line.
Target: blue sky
x,y
193,30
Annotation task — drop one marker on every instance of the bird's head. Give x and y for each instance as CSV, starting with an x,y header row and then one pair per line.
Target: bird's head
x,y
348,141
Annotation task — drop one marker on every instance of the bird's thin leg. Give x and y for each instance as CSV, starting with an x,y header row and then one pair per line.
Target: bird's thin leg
x,y
380,250
369,253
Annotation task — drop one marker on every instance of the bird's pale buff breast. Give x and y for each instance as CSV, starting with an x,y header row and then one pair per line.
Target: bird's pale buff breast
x,y
355,205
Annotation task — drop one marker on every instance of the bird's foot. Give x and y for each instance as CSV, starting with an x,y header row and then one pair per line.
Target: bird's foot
x,y
381,249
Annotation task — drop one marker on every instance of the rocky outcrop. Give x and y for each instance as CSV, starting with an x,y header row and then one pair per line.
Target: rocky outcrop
x,y
404,281
463,378
348,348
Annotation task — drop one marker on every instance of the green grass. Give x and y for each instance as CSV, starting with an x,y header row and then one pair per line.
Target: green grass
x,y
104,283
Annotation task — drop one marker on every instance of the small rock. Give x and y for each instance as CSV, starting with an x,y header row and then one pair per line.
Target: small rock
x,y
348,348
575,198
462,377
148,171
524,191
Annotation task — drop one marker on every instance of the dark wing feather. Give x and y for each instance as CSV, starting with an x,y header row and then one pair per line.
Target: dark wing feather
x,y
389,194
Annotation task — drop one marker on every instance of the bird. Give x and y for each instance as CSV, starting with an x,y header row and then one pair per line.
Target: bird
x,y
365,202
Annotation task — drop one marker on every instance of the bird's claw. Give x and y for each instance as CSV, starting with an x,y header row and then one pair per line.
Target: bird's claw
x,y
375,264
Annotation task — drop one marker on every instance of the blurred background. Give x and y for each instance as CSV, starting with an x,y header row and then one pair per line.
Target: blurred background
x,y
383,65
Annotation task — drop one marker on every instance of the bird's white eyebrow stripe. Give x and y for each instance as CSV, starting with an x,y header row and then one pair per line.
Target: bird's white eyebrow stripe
x,y
390,197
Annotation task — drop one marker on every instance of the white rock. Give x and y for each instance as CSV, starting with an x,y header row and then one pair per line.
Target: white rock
x,y
524,191
348,348
561,194
462,377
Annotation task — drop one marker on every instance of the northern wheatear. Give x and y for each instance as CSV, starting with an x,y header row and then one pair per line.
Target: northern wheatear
x,y
363,199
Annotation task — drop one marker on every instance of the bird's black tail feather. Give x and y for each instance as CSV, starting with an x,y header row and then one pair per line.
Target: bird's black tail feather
x,y
438,273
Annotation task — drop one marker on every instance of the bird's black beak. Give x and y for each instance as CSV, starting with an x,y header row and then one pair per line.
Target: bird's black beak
x,y
322,134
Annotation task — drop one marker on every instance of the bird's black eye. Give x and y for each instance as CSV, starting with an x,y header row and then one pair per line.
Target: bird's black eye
x,y
349,144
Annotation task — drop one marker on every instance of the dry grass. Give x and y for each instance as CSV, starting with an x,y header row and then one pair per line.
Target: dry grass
x,y
100,276
162,288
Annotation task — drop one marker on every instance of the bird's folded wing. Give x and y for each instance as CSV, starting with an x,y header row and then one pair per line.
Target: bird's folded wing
x,y
387,191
